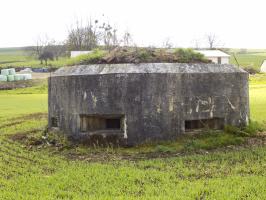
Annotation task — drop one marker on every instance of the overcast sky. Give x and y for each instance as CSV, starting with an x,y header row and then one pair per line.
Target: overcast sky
x,y
237,23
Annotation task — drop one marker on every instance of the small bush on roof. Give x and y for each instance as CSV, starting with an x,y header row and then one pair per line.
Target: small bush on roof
x,y
189,55
139,55
91,58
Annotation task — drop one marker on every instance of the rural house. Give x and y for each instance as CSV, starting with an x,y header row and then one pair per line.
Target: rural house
x,y
263,67
216,56
146,102
74,54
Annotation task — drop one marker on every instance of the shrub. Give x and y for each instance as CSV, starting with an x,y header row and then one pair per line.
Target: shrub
x,y
251,129
189,55
144,54
91,58
254,127
235,131
251,70
212,140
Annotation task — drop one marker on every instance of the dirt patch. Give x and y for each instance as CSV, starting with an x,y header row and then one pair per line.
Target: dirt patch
x,y
102,155
18,137
38,75
11,124
38,139
260,140
27,138
35,116
18,84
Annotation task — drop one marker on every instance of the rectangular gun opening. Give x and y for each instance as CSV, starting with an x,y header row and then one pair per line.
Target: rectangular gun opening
x,y
90,123
213,123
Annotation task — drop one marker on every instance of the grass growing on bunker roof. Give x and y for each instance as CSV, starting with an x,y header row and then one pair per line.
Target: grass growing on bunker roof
x,y
139,55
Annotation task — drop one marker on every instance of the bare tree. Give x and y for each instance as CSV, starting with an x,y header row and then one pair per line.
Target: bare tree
x,y
167,43
40,43
57,48
95,34
40,47
47,49
212,41
127,39
91,35
109,37
115,40
83,37
45,56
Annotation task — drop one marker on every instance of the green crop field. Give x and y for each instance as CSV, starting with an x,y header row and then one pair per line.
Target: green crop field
x,y
252,58
258,97
12,55
19,57
236,170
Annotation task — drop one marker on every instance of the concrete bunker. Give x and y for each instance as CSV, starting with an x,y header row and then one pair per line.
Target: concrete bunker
x,y
146,102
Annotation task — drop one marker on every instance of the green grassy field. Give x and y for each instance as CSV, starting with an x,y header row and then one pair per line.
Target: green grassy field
x,y
18,57
252,58
159,171
258,97
12,55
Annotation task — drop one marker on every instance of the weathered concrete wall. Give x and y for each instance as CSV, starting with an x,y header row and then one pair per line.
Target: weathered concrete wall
x,y
155,105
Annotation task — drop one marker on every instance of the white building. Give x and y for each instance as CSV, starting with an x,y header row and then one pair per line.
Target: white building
x,y
78,53
263,67
216,56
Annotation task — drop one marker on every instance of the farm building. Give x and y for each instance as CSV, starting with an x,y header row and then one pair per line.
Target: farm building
x,y
74,54
216,56
263,67
146,102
